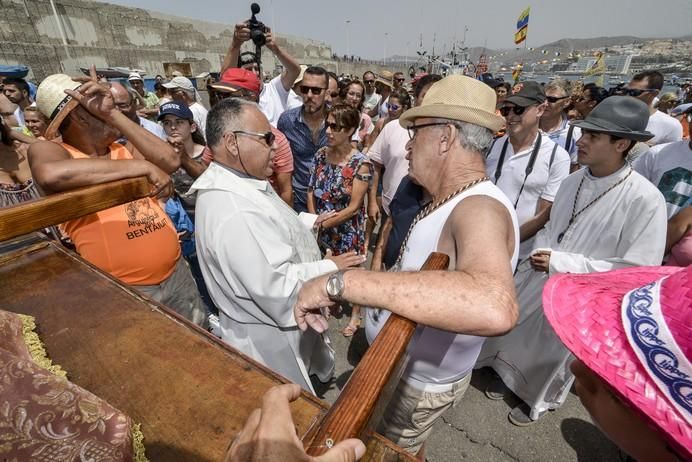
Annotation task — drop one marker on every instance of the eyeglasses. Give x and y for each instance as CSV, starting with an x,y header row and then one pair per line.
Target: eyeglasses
x,y
518,110
393,107
634,91
414,128
368,82
268,136
555,99
304,89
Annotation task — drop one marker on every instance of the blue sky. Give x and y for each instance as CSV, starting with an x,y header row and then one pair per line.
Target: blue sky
x,y
488,22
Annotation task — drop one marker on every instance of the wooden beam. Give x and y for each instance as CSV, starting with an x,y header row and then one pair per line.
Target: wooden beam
x,y
58,208
355,409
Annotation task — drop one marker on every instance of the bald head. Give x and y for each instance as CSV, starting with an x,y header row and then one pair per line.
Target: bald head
x,y
124,100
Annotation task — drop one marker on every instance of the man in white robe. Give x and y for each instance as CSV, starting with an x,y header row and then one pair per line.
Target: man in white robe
x,y
622,223
253,249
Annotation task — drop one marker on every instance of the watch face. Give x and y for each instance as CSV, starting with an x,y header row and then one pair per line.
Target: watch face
x,y
333,286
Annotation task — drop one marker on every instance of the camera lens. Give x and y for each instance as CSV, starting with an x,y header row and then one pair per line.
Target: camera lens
x,y
258,37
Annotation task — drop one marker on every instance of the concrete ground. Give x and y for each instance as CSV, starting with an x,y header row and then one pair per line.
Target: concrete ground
x,y
478,429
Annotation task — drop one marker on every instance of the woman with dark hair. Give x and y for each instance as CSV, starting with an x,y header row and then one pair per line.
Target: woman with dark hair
x,y
339,181
502,91
353,94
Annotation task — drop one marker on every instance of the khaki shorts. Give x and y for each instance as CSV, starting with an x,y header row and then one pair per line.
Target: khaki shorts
x,y
411,413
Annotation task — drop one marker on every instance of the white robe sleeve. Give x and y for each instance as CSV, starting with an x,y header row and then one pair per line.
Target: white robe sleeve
x,y
642,243
257,261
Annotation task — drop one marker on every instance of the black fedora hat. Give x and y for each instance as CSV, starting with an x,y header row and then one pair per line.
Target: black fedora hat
x,y
621,116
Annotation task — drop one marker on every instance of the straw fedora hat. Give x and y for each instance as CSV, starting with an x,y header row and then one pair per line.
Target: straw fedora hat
x,y
385,78
53,102
633,328
461,98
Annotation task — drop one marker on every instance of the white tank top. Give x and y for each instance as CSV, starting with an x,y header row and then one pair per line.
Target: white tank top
x,y
436,356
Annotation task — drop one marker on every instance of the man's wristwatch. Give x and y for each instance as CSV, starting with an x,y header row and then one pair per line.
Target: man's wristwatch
x,y
336,286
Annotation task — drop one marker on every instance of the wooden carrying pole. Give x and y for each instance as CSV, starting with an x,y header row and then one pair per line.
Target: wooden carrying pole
x,y
354,410
59,208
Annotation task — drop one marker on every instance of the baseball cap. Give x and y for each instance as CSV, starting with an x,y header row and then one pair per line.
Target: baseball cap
x,y
177,109
180,82
526,93
236,78
134,76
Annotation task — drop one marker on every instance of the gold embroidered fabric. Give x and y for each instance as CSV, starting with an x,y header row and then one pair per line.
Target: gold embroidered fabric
x,y
44,417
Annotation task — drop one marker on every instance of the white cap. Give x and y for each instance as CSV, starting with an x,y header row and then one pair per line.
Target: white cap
x,y
134,76
180,82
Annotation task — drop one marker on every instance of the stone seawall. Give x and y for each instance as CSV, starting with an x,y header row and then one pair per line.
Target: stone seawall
x,y
115,36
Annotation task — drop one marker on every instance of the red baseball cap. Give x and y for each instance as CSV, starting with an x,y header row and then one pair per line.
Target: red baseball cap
x,y
236,78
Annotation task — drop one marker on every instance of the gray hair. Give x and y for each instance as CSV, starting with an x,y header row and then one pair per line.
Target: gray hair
x,y
558,84
473,137
225,117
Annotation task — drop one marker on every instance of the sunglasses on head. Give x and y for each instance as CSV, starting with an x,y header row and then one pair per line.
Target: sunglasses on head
x,y
304,89
268,137
635,91
518,110
555,99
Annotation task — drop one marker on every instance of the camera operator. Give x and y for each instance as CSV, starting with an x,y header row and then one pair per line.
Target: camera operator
x,y
274,94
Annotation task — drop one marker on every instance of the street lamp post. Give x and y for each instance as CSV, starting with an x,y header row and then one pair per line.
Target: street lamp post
x,y
348,38
384,53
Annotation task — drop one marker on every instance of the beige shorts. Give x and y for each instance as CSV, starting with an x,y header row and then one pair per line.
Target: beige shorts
x,y
411,413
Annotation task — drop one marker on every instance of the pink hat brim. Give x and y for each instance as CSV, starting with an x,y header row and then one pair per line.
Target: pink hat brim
x,y
585,312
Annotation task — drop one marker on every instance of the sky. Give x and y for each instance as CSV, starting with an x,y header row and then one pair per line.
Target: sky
x,y
393,27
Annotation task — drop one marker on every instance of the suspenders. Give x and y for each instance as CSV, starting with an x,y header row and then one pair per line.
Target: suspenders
x,y
529,166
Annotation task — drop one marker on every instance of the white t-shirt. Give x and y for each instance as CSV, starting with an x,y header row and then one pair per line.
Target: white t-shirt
x,y
669,168
542,183
273,99
665,128
559,136
19,117
199,114
384,108
294,100
389,150
371,101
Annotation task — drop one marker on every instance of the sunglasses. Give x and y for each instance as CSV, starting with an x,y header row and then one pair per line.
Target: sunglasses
x,y
304,89
334,94
393,107
403,79
518,110
368,82
268,137
635,91
555,99
333,126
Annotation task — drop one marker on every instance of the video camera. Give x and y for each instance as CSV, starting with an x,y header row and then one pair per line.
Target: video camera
x,y
257,28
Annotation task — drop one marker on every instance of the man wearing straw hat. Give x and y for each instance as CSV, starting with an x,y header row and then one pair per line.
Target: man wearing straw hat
x,y
134,242
470,220
605,216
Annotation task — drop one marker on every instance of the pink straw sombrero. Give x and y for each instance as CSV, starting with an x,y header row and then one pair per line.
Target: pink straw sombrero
x,y
633,328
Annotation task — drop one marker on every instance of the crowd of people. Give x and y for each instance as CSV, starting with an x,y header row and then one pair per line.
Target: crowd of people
x,y
264,201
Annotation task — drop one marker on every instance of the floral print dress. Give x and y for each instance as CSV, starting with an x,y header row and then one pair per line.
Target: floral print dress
x,y
332,186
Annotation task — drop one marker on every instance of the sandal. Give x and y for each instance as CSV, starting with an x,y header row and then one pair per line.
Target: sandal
x,y
351,328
